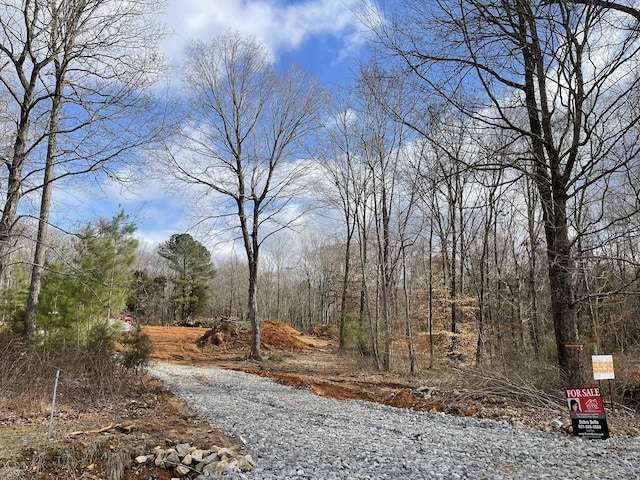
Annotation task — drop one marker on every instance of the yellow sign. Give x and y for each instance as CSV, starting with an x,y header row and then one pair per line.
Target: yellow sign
x,y
603,367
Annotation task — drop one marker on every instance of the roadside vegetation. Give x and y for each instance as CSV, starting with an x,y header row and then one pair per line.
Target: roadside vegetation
x,y
468,208
99,374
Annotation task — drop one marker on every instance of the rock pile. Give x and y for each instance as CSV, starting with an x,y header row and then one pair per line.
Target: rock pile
x,y
195,463
225,334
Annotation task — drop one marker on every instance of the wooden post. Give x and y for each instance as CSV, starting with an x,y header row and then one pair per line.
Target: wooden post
x,y
613,408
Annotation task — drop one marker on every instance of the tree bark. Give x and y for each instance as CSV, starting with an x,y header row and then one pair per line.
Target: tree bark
x,y
255,353
45,209
552,188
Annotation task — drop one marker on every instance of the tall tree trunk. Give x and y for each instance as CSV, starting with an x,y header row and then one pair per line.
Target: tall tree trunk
x,y
482,287
252,246
453,290
15,166
431,294
534,327
562,299
252,314
552,186
43,220
345,288
47,184
407,317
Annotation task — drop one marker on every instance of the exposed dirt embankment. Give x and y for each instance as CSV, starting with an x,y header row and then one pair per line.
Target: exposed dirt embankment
x,y
311,360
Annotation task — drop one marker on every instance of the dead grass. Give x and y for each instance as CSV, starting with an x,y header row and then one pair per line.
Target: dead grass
x,y
90,400
105,415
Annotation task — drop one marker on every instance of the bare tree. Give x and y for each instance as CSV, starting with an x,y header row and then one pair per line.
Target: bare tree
x,y
449,144
384,145
75,69
23,38
565,67
348,186
242,143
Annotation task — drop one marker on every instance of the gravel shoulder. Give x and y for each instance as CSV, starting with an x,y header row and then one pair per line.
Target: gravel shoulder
x,y
292,433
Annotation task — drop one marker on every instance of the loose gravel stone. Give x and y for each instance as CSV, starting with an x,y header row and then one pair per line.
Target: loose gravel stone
x,y
292,433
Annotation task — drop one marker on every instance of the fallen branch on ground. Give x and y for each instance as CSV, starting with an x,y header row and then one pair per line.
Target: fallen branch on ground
x,y
489,384
109,428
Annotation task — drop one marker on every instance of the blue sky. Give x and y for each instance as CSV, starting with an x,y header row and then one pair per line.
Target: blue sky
x,y
323,36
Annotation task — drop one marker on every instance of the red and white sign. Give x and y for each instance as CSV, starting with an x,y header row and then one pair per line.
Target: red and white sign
x,y
584,400
587,412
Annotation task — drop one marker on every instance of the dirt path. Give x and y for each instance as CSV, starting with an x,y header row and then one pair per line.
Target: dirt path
x,y
313,362
296,360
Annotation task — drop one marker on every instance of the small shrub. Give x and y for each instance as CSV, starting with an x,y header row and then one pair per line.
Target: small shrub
x,y
277,357
102,338
137,349
355,337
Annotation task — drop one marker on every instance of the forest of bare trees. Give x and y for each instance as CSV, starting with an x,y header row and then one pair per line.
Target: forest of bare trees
x,y
480,178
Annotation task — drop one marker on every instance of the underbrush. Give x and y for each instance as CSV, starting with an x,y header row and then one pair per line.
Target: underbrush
x,y
512,373
106,457
531,383
91,372
94,376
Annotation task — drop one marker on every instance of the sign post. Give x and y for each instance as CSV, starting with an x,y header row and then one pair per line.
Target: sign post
x,y
587,413
603,370
53,405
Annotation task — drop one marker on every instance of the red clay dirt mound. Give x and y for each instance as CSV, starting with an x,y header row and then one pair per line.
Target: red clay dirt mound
x,y
175,344
273,334
328,332
225,340
225,336
281,336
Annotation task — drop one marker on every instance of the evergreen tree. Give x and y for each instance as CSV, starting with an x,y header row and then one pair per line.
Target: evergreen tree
x,y
94,283
147,299
192,267
14,297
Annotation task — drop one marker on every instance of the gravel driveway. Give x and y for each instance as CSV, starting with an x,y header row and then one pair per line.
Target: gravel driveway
x,y
294,434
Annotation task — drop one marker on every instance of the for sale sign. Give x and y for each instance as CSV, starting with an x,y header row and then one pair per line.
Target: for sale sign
x,y
587,412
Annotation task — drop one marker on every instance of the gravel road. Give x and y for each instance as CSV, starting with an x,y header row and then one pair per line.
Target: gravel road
x,y
294,434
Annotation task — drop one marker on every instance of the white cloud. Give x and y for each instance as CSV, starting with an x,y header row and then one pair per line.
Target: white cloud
x,y
283,26
279,25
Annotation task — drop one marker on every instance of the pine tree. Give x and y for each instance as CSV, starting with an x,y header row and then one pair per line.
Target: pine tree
x,y
192,267
93,284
